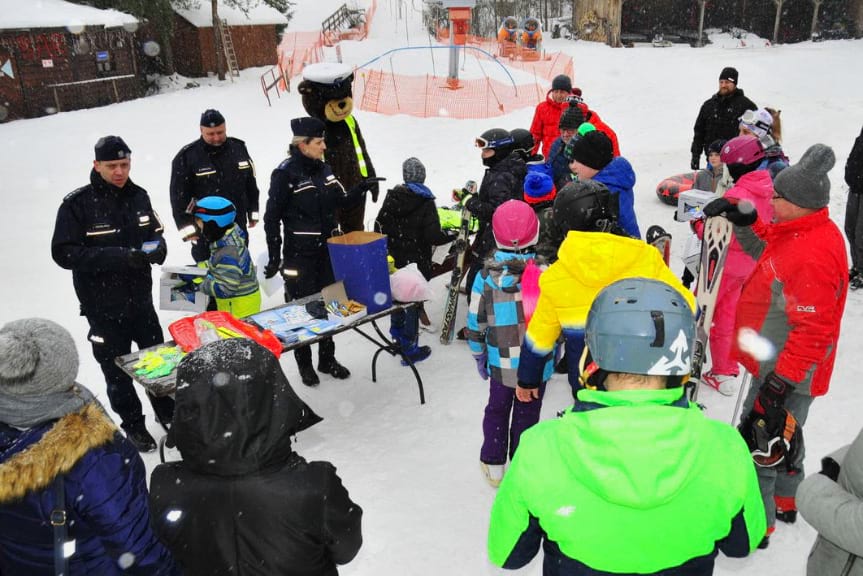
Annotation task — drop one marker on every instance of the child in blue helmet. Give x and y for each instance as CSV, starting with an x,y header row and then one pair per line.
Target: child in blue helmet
x,y
231,277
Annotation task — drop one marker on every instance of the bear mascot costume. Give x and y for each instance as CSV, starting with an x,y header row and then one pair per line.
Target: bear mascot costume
x,y
327,95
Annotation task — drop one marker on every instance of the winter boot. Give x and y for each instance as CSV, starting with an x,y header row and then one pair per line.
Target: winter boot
x,y
303,357
856,281
725,384
786,509
416,354
327,362
493,473
140,438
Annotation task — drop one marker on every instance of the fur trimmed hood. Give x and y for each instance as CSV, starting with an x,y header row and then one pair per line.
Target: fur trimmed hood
x,y
56,452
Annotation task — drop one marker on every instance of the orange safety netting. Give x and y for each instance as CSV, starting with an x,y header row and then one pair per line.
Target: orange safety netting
x,y
430,96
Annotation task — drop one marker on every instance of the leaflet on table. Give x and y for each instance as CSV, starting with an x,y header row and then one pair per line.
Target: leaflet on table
x,y
293,323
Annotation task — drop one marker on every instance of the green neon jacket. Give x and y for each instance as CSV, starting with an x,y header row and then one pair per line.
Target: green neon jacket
x,y
633,481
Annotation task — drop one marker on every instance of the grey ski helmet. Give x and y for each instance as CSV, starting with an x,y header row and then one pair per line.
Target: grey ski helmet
x,y
641,326
585,206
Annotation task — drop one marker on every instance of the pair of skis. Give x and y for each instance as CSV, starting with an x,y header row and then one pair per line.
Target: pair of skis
x,y
460,247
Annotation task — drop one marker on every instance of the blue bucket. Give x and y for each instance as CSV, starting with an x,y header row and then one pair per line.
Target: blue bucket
x,y
359,259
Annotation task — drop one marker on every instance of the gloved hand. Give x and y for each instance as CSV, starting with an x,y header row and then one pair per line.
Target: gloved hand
x,y
364,186
375,190
158,255
272,267
460,195
137,258
696,158
830,468
741,214
765,425
481,365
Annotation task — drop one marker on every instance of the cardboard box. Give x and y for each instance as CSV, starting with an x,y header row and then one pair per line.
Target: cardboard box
x,y
171,297
336,292
690,203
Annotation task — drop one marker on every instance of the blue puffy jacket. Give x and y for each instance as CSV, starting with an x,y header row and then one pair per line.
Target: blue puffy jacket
x,y
106,499
619,177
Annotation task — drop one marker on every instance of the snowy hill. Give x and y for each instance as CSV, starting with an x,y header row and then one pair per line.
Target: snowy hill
x,y
414,469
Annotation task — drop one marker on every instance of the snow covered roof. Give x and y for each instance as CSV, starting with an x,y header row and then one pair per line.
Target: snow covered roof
x,y
202,16
58,14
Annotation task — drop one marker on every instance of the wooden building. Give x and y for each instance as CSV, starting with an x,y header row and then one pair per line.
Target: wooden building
x,y
57,56
255,37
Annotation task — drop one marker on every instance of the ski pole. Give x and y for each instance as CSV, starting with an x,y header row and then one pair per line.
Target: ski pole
x,y
741,394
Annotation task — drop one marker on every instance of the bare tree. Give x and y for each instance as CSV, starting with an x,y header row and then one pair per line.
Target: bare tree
x,y
816,5
217,40
779,4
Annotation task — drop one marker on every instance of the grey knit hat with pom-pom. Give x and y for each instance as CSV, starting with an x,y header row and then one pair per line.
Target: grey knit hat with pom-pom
x,y
38,366
806,183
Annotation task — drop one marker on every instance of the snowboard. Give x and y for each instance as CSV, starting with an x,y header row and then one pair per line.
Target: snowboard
x,y
669,189
660,238
460,248
718,233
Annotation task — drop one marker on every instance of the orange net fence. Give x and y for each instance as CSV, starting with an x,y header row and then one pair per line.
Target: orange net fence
x,y
427,96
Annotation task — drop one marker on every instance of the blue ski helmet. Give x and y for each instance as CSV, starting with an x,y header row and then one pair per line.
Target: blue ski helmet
x,y
641,326
216,209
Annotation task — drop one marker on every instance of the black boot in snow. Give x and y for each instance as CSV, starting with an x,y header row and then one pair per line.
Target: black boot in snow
x,y
140,438
308,375
333,368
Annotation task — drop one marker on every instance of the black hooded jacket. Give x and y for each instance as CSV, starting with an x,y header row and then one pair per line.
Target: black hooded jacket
x,y
503,180
241,501
719,119
412,226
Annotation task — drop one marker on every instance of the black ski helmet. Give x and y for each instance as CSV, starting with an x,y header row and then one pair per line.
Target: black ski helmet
x,y
585,206
497,139
522,141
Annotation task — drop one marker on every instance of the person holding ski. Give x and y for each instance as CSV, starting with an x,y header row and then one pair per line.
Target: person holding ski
x,y
595,253
213,165
792,304
633,479
719,115
496,322
743,156
109,236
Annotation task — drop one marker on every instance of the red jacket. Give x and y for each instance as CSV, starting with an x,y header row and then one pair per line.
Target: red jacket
x,y
545,120
795,298
592,117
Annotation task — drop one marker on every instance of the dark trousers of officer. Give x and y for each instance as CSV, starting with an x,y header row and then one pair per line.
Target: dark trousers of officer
x,y
313,273
112,336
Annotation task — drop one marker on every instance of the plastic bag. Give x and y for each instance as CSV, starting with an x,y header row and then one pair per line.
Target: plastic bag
x,y
409,285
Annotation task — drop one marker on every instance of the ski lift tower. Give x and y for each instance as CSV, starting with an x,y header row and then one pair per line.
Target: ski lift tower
x,y
459,26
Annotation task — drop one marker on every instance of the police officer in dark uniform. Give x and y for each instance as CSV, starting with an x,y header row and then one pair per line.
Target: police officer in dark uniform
x,y
213,165
303,199
108,234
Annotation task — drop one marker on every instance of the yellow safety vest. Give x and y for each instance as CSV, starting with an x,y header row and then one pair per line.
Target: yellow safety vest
x,y
352,124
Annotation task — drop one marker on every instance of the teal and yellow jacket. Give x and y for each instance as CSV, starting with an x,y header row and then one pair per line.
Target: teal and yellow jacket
x,y
634,481
587,263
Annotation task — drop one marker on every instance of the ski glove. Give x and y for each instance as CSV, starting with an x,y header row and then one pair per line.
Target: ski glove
x,y
366,185
740,214
696,158
830,468
482,365
769,429
158,254
137,258
272,268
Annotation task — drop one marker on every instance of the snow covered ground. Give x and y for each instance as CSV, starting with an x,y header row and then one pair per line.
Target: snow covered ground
x,y
413,468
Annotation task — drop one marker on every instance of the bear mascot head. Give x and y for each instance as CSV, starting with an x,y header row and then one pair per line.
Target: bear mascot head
x,y
327,93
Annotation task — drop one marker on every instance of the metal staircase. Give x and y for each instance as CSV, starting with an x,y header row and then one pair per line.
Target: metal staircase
x,y
228,47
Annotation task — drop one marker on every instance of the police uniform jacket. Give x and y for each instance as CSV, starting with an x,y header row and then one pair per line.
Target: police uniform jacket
x,y
97,226
200,170
303,198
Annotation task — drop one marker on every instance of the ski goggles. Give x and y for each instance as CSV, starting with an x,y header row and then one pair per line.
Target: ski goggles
x,y
751,119
484,144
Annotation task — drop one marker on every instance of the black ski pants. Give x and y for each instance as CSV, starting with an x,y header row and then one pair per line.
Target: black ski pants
x,y
313,272
112,336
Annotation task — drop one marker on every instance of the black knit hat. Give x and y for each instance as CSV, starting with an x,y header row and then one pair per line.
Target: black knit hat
x,y
571,119
212,118
111,148
308,127
413,171
729,73
594,150
561,82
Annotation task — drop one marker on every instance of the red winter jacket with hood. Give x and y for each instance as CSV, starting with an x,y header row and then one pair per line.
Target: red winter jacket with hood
x,y
544,127
795,298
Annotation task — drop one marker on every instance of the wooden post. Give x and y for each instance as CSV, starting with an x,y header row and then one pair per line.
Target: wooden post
x,y
56,100
814,28
701,4
116,93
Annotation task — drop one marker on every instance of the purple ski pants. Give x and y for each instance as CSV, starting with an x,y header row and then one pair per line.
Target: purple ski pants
x,y
499,430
